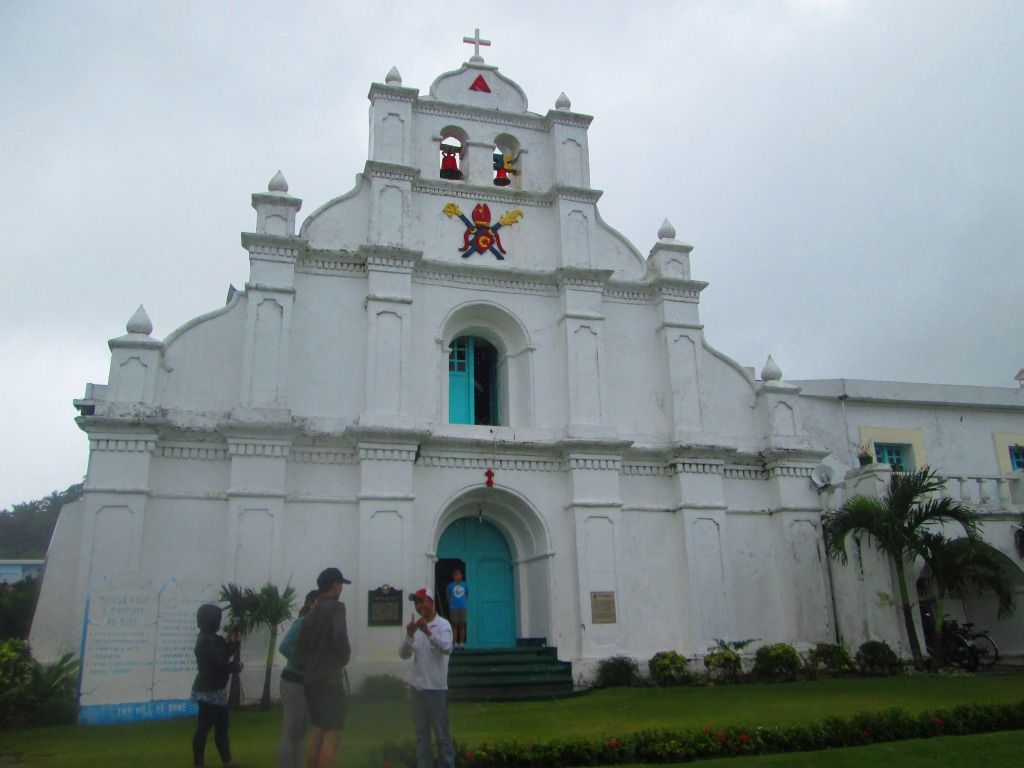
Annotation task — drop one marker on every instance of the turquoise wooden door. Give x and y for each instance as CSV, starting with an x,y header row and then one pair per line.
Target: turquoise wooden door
x,y
460,381
491,621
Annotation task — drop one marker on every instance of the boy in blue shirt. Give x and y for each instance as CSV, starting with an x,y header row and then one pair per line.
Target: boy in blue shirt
x,y
458,597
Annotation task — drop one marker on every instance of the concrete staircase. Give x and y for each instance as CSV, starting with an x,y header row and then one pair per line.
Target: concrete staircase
x,y
530,671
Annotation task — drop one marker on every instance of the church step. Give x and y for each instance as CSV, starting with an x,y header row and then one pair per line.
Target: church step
x,y
511,681
531,670
482,670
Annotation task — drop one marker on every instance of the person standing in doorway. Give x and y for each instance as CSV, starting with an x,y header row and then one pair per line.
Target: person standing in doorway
x,y
458,597
292,746
323,651
428,639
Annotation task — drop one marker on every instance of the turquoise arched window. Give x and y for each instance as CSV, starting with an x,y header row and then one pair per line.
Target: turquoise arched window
x,y
473,382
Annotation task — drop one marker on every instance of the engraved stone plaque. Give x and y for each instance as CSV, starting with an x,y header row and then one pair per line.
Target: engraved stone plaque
x,y
602,608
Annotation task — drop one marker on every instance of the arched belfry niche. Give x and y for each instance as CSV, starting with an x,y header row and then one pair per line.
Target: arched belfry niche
x,y
484,517
493,329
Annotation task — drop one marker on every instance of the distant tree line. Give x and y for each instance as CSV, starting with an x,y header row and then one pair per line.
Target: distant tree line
x,y
26,528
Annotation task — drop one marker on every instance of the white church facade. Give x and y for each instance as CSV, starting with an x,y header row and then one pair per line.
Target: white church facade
x,y
458,362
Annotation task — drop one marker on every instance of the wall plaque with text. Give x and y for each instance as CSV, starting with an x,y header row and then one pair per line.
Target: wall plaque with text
x,y
602,607
385,607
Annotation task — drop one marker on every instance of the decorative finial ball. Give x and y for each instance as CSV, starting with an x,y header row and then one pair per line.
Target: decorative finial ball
x,y
393,77
771,371
139,322
278,183
666,231
562,103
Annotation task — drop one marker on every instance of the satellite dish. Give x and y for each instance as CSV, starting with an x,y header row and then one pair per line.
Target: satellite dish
x,y
822,476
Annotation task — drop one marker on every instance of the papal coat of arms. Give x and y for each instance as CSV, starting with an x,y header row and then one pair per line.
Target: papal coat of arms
x,y
481,236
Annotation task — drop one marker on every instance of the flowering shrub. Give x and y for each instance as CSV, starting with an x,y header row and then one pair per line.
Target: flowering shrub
x,y
778,662
669,668
663,746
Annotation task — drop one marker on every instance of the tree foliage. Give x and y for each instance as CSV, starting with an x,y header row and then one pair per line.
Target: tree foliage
x,y
897,524
26,528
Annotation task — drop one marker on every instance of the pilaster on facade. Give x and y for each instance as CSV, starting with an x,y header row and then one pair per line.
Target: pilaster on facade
x,y
135,363
270,299
392,537
596,510
389,330
391,123
586,354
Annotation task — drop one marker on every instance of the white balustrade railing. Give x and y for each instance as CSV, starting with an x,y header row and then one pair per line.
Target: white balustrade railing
x,y
985,490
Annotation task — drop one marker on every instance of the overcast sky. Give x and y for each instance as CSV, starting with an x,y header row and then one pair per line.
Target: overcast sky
x,y
849,172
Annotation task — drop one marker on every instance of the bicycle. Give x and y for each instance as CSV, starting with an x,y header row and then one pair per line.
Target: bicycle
x,y
988,651
957,645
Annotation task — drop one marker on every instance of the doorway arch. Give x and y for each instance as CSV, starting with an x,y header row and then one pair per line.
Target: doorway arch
x,y
499,516
483,554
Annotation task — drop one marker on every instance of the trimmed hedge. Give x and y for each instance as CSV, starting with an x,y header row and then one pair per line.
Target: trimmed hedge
x,y
664,746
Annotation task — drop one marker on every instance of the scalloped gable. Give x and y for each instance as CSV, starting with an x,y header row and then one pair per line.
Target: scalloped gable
x,y
479,85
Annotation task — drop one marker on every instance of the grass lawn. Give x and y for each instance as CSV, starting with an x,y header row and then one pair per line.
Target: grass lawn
x,y
599,714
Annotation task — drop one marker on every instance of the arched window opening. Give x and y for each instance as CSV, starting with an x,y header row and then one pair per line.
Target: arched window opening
x,y
506,161
473,396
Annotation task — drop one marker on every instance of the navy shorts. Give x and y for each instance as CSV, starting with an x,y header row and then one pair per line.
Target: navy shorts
x,y
327,705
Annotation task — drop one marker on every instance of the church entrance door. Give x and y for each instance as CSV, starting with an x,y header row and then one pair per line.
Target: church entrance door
x,y
481,547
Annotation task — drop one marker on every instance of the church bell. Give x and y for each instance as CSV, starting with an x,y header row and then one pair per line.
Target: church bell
x,y
449,165
502,165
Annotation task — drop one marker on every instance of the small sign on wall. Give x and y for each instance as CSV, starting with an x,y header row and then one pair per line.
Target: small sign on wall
x,y
602,608
385,607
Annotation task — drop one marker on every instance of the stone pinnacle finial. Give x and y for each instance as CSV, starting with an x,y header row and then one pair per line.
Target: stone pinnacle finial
x,y
393,77
666,231
562,103
771,371
278,184
140,322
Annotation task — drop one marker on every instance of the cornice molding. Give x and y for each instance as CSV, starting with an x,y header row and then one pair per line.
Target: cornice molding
x,y
122,443
470,276
379,170
248,446
490,194
192,451
392,92
529,121
272,247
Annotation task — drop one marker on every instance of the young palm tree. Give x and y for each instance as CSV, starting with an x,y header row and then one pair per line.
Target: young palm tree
x,y
272,609
241,603
896,523
961,565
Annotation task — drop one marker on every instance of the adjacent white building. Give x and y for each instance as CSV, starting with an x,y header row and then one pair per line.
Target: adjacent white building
x,y
439,368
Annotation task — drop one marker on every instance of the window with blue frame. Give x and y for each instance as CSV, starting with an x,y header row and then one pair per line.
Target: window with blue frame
x,y
895,455
473,382
1016,457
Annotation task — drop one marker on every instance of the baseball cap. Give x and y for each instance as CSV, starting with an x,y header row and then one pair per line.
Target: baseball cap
x,y
425,593
329,577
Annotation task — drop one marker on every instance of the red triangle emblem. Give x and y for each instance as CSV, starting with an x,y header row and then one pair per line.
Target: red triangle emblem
x,y
480,85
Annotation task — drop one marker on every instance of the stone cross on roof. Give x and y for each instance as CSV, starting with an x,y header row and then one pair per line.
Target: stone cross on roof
x,y
476,42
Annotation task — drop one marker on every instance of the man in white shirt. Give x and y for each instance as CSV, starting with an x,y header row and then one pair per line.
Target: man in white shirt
x,y
428,640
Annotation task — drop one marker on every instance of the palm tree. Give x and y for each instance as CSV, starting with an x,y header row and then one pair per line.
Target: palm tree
x,y
272,609
961,565
895,523
241,603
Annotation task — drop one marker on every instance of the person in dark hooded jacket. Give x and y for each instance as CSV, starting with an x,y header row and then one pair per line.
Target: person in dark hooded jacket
x,y
210,688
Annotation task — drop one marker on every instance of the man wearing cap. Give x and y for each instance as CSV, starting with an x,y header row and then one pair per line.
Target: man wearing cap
x,y
322,652
428,640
